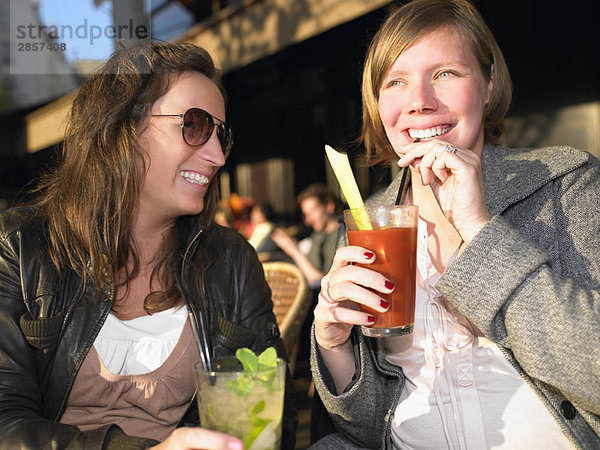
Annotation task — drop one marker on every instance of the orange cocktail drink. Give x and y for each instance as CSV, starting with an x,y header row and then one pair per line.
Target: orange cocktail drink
x,y
393,239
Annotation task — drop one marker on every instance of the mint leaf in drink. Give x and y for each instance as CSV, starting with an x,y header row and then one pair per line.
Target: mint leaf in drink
x,y
258,408
258,424
267,359
248,359
252,364
241,386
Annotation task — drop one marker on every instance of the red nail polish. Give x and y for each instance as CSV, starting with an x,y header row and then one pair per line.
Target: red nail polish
x,y
371,319
384,304
369,255
389,285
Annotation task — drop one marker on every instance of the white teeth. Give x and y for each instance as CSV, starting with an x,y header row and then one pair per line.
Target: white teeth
x,y
428,133
194,177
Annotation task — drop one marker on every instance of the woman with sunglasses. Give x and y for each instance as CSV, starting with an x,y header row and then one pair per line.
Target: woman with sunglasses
x,y
108,274
504,352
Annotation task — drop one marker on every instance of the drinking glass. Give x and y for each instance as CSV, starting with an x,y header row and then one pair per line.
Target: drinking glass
x,y
247,405
393,239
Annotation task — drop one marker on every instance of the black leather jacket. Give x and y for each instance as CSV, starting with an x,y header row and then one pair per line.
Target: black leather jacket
x,y
49,322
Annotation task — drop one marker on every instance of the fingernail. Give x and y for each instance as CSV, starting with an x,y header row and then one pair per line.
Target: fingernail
x,y
369,255
235,445
389,285
371,319
384,304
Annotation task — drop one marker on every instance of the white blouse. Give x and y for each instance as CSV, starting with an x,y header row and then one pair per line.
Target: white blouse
x,y
460,391
140,345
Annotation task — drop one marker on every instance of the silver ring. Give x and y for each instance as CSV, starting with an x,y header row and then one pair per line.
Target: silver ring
x,y
450,148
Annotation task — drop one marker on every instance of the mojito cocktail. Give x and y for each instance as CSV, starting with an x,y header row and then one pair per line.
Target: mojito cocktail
x,y
245,404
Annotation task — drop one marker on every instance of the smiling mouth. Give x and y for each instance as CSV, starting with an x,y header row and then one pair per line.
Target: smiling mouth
x,y
428,133
194,177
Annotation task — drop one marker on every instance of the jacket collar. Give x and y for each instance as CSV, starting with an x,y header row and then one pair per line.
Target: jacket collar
x,y
193,232
509,175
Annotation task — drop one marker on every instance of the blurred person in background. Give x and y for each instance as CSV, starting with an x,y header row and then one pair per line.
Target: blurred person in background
x,y
224,217
105,278
262,217
240,207
319,208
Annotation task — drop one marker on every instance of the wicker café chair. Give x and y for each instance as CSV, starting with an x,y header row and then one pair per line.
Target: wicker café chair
x,y
291,302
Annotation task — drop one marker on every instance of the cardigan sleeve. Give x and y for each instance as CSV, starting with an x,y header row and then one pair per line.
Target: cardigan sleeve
x,y
535,289
362,412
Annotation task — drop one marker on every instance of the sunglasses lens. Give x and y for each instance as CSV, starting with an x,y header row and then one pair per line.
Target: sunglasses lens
x,y
225,136
197,126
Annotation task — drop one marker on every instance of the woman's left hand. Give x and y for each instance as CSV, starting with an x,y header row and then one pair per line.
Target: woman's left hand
x,y
456,179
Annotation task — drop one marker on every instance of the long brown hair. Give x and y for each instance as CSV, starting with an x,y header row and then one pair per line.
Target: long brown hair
x,y
90,199
402,29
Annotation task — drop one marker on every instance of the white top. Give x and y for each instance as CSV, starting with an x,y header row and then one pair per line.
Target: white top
x,y
460,391
140,345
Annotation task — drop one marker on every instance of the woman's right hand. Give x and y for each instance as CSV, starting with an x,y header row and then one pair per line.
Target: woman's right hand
x,y
343,289
188,438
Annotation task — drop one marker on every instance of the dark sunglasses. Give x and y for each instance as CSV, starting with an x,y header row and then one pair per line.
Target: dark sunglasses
x,y
197,127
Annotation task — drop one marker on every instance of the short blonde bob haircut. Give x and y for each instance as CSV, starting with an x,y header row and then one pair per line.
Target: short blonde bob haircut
x,y
401,30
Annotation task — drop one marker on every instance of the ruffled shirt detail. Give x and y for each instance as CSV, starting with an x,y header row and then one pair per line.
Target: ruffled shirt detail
x,y
140,345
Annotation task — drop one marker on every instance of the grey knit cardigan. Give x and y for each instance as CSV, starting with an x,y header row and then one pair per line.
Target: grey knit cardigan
x,y
529,280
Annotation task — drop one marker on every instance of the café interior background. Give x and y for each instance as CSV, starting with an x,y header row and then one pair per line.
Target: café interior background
x,y
292,70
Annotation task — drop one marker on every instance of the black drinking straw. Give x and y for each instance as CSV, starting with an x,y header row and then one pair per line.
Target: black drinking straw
x,y
202,342
403,186
200,335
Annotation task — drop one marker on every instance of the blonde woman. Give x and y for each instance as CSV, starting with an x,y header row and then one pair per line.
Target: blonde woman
x,y
508,285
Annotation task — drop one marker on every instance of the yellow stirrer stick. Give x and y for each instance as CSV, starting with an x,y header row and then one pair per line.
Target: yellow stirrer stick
x,y
343,172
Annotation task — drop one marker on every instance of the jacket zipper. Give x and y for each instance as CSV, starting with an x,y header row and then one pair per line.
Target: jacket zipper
x,y
192,311
194,315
